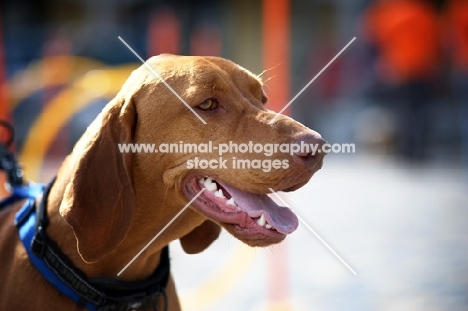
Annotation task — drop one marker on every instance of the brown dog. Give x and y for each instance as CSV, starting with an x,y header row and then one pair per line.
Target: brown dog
x,y
106,205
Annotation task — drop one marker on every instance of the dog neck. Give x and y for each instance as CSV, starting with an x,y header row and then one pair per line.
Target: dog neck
x,y
61,233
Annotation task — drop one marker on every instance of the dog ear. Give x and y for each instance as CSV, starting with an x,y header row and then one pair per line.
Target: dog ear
x,y
200,238
98,201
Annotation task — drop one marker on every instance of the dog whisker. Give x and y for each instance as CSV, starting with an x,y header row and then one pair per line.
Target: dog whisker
x,y
264,71
264,82
260,76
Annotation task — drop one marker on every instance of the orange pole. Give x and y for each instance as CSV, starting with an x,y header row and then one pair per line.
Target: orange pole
x,y
276,42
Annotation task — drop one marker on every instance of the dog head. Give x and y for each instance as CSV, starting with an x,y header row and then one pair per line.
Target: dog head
x,y
141,191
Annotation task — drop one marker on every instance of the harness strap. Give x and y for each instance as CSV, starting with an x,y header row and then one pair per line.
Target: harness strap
x,y
43,258
93,294
29,191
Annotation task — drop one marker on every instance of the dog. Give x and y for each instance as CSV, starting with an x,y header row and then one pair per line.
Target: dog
x,y
105,205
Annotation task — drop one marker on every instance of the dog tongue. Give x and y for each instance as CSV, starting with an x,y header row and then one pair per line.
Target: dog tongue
x,y
279,217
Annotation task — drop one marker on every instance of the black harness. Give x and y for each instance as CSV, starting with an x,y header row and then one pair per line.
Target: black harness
x,y
91,293
95,294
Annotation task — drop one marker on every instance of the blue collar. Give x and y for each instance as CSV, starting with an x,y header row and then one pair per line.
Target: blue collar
x,y
96,293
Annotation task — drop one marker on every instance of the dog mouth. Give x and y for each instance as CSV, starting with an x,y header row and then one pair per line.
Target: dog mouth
x,y
253,213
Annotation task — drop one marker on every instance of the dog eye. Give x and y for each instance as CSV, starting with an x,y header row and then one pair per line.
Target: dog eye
x,y
209,104
264,99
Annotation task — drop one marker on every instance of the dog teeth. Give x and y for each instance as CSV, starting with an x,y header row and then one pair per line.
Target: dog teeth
x,y
210,185
261,221
219,194
213,187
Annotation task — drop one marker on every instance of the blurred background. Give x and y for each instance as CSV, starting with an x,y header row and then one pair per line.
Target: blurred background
x,y
395,210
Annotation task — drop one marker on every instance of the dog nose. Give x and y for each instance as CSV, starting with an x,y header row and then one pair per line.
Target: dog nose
x,y
308,150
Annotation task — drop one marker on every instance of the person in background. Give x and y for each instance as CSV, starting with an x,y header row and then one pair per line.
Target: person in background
x,y
405,38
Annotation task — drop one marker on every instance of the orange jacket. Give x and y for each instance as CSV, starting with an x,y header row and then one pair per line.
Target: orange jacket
x,y
406,35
